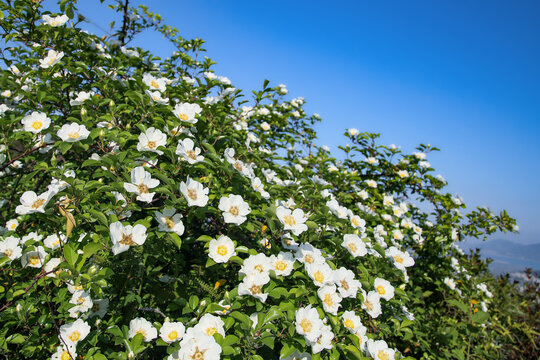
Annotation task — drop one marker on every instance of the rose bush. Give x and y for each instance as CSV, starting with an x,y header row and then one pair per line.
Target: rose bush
x,y
155,211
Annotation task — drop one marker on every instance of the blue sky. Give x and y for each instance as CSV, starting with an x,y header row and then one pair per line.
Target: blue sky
x,y
462,76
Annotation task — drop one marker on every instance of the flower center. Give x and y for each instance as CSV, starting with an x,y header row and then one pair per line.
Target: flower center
x,y
183,117
349,323
281,265
353,247
306,325
34,260
143,189
309,259
211,331
80,300
383,355
38,203
328,300
259,268
169,222
368,305
8,252
126,239
355,221
289,220
381,290
173,335
65,356
154,84
37,125
74,135
234,210
255,290
319,276
192,194
238,166
398,259
222,250
141,331
344,285
74,336
151,145
192,154
198,354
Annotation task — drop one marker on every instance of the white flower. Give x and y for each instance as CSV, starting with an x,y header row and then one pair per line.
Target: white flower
x,y
450,283
10,248
154,83
81,97
197,346
210,324
308,323
354,245
308,254
297,356
252,285
424,164
351,321
292,220
100,308
156,97
35,122
379,350
144,327
222,249
235,209
52,58
54,241
403,174
31,202
358,223
384,288
187,112
194,192
74,332
330,298
82,300
257,185
371,183
187,150
172,331
170,221
73,132
372,161
255,265
35,258
151,140
402,259
353,131
283,263
65,353
419,155
123,237
347,285
141,182
12,224
51,265
265,126
321,274
372,304
55,21
324,341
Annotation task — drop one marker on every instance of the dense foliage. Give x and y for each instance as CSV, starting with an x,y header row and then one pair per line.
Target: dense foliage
x,y
152,210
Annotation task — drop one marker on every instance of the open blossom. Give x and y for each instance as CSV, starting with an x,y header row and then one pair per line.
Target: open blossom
x,y
31,202
73,132
308,323
144,327
53,57
197,345
347,285
283,263
372,304
353,131
308,254
292,220
257,185
81,98
354,245
210,324
55,21
379,350
54,241
384,288
255,265
170,221
151,140
141,182
351,321
123,237
402,259
187,150
321,274
65,353
187,112
35,122
156,97
34,258
154,83
74,332
222,249
194,192
324,341
252,285
235,209
330,298
172,331
10,248
12,224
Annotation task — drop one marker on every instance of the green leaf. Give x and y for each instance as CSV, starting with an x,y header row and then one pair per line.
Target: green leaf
x,y
70,254
480,317
459,305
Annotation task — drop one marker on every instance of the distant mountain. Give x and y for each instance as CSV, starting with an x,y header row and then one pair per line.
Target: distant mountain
x,y
508,256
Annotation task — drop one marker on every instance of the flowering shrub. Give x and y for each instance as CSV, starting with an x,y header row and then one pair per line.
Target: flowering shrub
x,y
150,212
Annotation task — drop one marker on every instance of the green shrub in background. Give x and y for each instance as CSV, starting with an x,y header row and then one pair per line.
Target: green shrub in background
x,y
152,210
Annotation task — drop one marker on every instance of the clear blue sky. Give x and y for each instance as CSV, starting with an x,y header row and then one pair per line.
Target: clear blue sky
x,y
461,75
